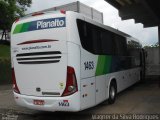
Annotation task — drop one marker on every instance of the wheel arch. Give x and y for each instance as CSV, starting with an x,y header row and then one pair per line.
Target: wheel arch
x,y
111,96
114,80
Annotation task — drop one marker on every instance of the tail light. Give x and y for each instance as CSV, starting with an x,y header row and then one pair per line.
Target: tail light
x,y
63,11
15,87
37,13
71,84
16,20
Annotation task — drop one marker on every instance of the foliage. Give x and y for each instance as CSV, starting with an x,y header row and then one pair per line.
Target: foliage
x,y
152,46
4,51
10,10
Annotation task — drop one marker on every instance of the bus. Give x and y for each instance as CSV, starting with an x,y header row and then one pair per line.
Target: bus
x,y
65,61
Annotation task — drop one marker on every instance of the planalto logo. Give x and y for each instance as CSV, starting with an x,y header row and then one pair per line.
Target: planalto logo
x,y
40,24
50,24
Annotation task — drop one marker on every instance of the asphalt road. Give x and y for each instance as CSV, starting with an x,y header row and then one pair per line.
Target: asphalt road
x,y
140,99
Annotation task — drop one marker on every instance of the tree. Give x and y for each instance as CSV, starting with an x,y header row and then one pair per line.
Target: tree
x,y
10,10
152,46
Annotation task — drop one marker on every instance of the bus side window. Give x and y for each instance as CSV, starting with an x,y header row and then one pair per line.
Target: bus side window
x,y
85,35
107,43
84,30
89,36
96,40
121,45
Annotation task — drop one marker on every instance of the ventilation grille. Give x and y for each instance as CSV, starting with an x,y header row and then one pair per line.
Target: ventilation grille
x,y
39,57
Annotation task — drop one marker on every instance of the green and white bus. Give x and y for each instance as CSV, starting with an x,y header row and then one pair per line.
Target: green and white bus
x,y
64,61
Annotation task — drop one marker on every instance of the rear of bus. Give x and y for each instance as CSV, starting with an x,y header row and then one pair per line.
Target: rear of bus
x,y
41,74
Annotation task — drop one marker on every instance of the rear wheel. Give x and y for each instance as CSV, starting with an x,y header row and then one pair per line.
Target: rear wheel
x,y
112,93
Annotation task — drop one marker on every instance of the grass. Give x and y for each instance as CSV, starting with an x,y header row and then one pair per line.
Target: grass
x,y
5,64
4,51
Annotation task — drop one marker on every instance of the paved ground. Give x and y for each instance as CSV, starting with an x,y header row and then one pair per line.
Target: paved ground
x,y
142,98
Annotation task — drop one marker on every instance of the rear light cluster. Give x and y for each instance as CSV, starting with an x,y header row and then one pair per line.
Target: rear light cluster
x,y
15,87
40,13
37,13
16,20
63,11
71,84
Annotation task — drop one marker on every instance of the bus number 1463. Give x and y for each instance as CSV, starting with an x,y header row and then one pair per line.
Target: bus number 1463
x,y
89,65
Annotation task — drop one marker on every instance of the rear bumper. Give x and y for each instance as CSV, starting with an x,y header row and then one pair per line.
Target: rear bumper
x,y
69,103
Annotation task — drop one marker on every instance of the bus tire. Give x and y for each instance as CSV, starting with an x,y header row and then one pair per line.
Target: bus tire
x,y
112,92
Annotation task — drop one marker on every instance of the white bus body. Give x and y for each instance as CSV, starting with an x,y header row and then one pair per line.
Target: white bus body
x,y
52,71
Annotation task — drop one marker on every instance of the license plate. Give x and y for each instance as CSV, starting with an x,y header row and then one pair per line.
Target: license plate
x,y
38,102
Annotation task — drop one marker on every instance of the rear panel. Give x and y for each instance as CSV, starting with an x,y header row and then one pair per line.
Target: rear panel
x,y
39,55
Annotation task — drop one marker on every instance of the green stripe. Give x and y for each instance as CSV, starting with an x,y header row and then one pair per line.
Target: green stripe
x,y
21,28
100,65
108,64
103,65
18,28
25,27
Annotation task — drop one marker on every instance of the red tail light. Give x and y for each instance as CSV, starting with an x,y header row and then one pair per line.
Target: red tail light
x,y
71,85
15,87
63,11
16,20
36,14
